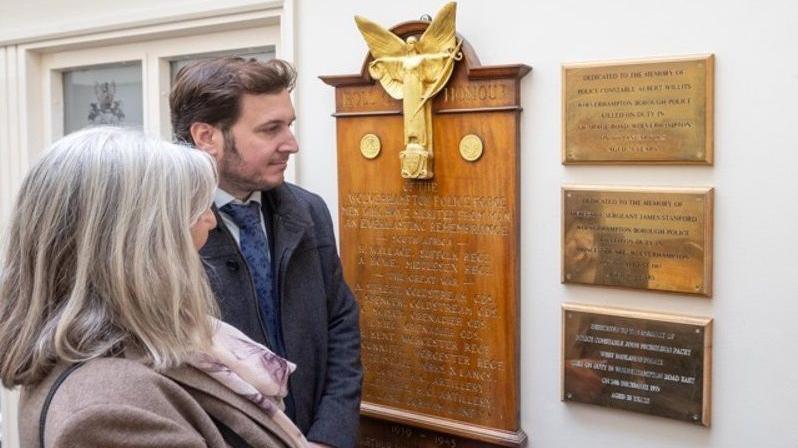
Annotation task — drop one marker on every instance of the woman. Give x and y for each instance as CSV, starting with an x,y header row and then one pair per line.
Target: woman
x,y
106,317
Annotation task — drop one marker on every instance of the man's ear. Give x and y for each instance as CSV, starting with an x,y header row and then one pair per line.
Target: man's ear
x,y
207,138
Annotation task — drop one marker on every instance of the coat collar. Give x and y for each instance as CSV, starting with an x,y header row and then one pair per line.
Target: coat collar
x,y
283,202
196,379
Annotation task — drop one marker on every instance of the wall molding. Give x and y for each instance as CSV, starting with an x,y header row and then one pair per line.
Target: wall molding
x,y
163,14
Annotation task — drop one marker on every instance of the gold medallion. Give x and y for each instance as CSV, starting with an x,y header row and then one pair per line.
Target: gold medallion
x,y
471,148
370,146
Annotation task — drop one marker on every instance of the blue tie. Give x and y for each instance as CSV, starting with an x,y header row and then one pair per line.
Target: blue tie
x,y
255,250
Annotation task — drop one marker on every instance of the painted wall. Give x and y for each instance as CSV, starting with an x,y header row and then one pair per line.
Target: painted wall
x,y
755,380
32,19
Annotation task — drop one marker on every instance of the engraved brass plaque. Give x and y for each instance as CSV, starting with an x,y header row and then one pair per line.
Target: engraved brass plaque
x,y
638,238
650,363
649,111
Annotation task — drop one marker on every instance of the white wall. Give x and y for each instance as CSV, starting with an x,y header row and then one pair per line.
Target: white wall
x,y
32,20
755,377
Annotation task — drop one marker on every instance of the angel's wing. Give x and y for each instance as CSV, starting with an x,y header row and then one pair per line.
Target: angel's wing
x,y
440,34
386,48
380,41
391,76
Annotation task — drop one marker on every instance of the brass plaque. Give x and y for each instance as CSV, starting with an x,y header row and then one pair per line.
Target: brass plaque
x,y
650,363
638,238
649,111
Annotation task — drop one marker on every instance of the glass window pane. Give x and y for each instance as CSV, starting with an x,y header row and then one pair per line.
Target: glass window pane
x,y
259,53
109,94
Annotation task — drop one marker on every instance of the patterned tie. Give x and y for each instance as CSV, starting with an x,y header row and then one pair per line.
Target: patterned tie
x,y
255,250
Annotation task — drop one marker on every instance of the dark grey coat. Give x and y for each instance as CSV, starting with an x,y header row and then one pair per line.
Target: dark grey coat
x,y
319,313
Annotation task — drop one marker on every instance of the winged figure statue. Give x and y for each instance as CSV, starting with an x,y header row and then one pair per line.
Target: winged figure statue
x,y
414,70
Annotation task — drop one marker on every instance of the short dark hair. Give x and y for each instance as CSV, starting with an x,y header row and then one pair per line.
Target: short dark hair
x,y
210,90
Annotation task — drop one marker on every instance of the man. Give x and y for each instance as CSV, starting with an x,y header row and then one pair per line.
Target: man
x,y
272,260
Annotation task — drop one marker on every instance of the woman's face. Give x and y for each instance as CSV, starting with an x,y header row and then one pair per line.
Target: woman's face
x,y
200,229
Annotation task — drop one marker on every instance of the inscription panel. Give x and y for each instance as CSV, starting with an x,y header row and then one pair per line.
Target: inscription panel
x,y
382,434
645,112
476,94
638,238
354,99
432,266
643,362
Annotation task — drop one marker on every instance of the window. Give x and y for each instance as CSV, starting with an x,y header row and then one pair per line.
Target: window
x,y
261,54
104,95
128,84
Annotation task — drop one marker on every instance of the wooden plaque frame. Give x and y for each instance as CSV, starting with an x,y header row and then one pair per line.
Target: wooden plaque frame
x,y
452,239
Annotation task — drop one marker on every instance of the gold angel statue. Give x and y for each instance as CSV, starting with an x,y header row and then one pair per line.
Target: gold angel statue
x,y
414,71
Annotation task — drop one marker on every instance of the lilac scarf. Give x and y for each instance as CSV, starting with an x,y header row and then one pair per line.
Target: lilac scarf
x,y
252,371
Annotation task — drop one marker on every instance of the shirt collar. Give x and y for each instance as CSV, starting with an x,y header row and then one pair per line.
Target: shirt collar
x,y
222,198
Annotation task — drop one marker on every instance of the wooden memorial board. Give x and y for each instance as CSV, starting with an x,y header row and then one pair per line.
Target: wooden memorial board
x,y
640,111
638,237
651,363
434,263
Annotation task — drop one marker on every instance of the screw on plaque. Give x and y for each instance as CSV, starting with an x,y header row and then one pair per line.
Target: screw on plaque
x,y
569,395
698,330
570,315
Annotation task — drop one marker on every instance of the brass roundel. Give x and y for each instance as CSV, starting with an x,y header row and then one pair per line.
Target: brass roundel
x,y
471,147
370,146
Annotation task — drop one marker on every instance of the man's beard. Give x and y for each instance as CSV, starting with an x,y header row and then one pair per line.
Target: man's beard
x,y
232,169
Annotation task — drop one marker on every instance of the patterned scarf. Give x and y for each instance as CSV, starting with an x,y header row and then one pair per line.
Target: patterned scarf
x,y
251,370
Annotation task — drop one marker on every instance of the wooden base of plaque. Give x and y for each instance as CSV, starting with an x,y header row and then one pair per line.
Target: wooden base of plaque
x,y
466,434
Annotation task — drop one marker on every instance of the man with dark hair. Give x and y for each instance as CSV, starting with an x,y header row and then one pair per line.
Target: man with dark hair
x,y
272,261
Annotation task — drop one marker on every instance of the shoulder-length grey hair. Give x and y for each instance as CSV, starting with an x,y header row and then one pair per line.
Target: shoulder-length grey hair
x,y
100,258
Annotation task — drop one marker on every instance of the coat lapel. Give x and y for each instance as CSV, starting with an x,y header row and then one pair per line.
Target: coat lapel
x,y
291,221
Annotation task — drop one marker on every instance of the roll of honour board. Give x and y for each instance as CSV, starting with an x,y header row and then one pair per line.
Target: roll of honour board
x,y
433,259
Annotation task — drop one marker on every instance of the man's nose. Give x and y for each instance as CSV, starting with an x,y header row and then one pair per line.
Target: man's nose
x,y
291,145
